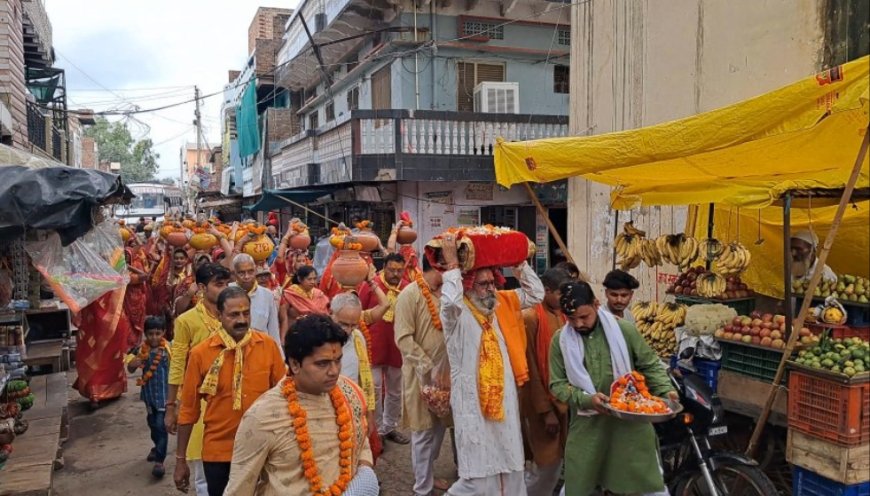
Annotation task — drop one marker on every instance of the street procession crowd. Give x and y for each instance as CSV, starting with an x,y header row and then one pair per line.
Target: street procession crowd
x,y
275,379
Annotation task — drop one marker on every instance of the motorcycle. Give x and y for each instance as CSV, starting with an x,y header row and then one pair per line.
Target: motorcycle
x,y
691,466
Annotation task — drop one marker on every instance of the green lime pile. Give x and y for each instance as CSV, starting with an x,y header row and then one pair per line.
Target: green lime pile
x,y
849,356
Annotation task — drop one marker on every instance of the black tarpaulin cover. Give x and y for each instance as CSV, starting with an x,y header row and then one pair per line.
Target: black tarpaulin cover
x,y
58,198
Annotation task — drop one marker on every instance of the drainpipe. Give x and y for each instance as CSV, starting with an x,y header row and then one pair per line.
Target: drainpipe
x,y
432,30
416,65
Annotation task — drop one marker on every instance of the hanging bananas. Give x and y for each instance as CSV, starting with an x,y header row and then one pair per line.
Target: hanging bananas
x,y
644,311
733,260
678,249
671,314
649,253
710,285
710,248
628,246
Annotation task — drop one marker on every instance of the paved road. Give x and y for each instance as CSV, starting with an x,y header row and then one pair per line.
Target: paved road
x,y
106,450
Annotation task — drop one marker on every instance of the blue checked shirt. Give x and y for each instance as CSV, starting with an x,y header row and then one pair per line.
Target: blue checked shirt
x,y
155,391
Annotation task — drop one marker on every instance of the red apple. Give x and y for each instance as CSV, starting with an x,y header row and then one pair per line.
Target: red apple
x,y
738,336
755,314
737,321
767,325
765,333
766,341
755,331
768,317
728,335
729,328
756,340
805,331
745,330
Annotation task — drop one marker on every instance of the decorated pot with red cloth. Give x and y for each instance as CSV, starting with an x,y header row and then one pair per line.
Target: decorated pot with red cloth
x,y
483,246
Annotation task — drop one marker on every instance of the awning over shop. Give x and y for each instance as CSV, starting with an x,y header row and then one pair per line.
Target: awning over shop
x,y
36,193
803,136
273,199
222,202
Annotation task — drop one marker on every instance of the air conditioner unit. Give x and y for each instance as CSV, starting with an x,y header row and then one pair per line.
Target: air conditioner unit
x,y
497,98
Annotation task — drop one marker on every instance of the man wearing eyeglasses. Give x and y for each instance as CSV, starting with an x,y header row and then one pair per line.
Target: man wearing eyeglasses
x,y
485,337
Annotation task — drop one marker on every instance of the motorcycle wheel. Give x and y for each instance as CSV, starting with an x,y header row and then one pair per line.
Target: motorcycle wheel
x,y
731,479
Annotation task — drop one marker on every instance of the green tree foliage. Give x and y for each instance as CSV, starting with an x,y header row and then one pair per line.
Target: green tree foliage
x,y
115,143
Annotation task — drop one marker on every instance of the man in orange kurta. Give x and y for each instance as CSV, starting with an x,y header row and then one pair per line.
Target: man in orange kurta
x,y
544,419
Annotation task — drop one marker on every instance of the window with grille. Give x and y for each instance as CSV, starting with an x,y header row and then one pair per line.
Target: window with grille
x,y
561,79
353,98
469,75
480,29
330,112
564,37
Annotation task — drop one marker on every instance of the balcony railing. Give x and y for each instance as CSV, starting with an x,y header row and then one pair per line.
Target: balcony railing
x,y
56,144
376,142
36,126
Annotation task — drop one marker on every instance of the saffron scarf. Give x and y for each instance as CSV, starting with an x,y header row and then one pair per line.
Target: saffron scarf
x,y
392,296
366,379
490,368
543,337
210,383
513,330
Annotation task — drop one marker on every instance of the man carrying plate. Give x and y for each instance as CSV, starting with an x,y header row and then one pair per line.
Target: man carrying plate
x,y
602,451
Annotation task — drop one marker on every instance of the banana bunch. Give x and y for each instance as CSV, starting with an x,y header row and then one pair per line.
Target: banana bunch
x,y
628,246
649,253
678,249
710,248
644,311
710,285
656,323
734,259
671,315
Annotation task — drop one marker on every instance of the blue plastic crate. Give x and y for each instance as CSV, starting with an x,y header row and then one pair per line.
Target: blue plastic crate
x,y
707,369
806,483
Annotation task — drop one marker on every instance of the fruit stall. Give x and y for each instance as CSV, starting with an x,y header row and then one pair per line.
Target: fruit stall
x,y
45,207
747,185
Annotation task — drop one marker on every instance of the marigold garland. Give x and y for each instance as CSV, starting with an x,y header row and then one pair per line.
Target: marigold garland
x,y
364,329
430,303
144,351
303,439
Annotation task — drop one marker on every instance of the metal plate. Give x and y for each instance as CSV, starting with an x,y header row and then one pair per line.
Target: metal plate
x,y
718,430
675,407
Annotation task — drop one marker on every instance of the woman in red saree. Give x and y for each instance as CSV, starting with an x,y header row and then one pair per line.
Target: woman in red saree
x,y
302,297
101,344
172,278
135,299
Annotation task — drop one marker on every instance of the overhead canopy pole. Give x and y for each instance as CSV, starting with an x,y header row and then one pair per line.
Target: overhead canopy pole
x,y
810,289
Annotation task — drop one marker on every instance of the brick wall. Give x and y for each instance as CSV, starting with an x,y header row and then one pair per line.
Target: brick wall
x,y
12,89
217,164
283,123
263,26
266,51
90,154
233,75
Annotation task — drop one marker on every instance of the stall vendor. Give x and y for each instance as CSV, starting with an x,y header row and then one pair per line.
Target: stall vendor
x,y
804,257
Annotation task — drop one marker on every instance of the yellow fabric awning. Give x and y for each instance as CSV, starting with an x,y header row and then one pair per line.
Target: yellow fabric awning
x,y
803,136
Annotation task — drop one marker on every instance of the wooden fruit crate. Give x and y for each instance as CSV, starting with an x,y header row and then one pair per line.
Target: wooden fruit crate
x,y
847,465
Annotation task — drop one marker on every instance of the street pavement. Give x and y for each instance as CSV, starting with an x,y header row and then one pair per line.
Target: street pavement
x,y
106,450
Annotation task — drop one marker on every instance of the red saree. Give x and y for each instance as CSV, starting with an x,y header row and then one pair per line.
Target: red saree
x,y
136,298
101,345
316,303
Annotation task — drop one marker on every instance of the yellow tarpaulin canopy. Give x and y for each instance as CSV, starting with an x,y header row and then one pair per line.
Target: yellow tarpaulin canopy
x,y
849,255
803,136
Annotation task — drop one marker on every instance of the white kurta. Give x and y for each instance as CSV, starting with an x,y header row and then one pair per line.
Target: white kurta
x,y
485,447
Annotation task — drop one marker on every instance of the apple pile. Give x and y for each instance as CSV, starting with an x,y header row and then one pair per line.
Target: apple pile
x,y
686,284
758,329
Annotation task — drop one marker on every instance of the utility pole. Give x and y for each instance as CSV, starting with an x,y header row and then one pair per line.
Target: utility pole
x,y
198,123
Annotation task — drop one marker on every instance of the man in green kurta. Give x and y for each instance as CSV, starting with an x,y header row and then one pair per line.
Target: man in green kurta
x,y
602,451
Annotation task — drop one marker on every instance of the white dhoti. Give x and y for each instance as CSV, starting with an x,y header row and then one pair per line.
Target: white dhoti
x,y
425,449
507,484
542,480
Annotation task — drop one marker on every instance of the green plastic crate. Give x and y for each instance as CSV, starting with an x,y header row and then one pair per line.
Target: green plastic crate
x,y
743,306
753,361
